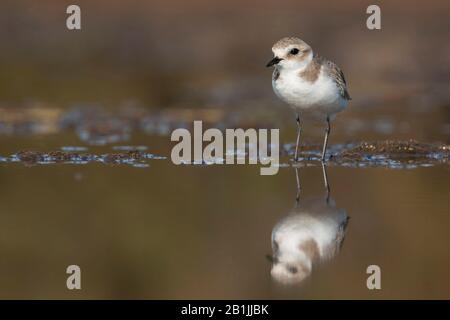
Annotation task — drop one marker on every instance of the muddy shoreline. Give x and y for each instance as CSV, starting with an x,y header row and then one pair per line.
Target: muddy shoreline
x,y
390,153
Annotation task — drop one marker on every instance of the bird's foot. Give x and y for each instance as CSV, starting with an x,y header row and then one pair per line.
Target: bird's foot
x,y
325,159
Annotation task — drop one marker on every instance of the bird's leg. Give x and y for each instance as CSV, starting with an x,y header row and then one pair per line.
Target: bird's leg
x,y
297,198
298,138
325,180
325,143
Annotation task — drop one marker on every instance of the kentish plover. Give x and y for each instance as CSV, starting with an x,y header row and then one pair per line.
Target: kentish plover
x,y
313,86
312,232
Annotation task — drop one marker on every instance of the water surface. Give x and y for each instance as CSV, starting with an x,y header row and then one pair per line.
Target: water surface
x,y
195,231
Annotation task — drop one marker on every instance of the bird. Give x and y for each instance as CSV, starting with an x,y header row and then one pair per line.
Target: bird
x,y
310,84
312,232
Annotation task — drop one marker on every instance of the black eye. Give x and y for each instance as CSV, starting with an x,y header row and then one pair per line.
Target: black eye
x,y
292,270
294,51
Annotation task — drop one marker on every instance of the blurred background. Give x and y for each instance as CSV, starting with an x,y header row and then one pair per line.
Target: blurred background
x,y
137,70
176,54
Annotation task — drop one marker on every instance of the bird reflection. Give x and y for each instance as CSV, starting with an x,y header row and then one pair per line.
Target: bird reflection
x,y
312,232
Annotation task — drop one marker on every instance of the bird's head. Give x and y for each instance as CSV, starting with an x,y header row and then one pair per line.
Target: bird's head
x,y
291,54
290,272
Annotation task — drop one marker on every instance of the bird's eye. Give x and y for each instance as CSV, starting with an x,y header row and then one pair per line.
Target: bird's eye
x,y
292,270
294,51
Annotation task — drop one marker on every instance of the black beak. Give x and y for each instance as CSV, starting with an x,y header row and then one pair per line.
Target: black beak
x,y
273,62
271,258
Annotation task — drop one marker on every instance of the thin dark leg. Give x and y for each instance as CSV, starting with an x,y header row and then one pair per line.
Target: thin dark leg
x,y
298,138
325,143
325,180
297,198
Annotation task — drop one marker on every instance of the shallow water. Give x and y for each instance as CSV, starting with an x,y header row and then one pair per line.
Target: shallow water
x,y
86,176
141,227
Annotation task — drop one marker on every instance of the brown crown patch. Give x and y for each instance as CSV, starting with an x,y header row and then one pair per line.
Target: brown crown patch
x,y
285,42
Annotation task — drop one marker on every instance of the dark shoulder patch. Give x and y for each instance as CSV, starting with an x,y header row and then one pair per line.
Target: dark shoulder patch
x,y
312,71
276,74
311,249
338,76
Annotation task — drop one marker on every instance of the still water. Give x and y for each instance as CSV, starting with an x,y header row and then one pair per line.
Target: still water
x,y
165,231
86,177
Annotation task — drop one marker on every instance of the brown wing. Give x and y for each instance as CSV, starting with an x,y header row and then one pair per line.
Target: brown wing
x,y
338,77
340,237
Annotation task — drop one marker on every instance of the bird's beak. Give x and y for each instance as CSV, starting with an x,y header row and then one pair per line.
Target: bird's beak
x,y
271,258
273,62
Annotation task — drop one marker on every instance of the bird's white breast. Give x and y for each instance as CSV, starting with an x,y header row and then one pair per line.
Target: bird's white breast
x,y
298,228
320,98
